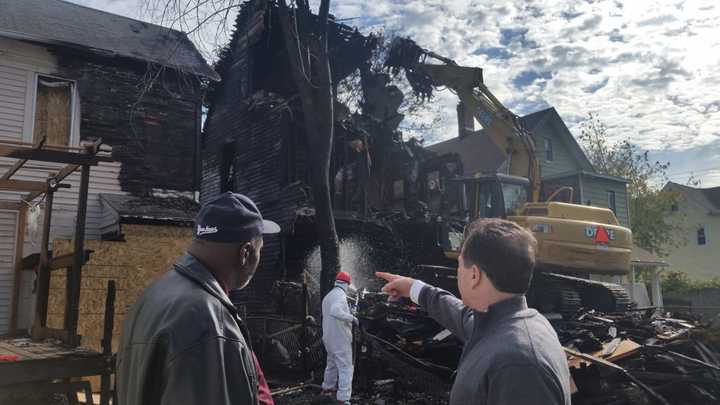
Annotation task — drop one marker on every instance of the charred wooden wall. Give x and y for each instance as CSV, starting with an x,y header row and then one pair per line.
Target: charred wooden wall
x,y
152,128
253,141
249,143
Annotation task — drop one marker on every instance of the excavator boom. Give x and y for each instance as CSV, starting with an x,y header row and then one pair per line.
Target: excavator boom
x,y
500,124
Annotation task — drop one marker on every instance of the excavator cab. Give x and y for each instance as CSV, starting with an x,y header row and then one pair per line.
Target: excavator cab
x,y
487,196
493,195
496,195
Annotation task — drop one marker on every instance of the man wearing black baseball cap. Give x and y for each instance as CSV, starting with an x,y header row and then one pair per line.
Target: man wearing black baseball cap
x,y
183,342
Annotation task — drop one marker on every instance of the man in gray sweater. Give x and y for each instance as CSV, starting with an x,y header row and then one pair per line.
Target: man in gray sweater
x,y
511,354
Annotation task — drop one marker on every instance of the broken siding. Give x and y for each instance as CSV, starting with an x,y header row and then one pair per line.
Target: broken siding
x,y
149,120
158,153
25,61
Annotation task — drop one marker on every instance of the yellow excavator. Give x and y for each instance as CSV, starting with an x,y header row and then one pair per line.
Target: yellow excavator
x,y
573,240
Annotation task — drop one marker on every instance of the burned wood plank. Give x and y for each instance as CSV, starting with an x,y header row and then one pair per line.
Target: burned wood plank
x,y
53,369
54,156
24,185
15,167
19,243
66,261
621,370
20,393
43,278
73,280
107,340
668,377
683,357
57,178
42,333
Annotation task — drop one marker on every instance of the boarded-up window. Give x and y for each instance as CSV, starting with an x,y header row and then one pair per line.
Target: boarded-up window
x,y
53,111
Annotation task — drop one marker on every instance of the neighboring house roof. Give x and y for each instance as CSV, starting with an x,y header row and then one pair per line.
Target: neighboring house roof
x,y
712,195
707,197
129,208
62,23
585,173
479,154
553,118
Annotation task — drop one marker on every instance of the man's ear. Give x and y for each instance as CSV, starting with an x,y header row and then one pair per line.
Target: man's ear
x,y
476,276
246,250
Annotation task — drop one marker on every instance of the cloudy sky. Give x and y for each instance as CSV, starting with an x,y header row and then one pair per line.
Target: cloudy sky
x,y
648,69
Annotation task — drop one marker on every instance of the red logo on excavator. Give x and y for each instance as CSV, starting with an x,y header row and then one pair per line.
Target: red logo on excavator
x,y
601,236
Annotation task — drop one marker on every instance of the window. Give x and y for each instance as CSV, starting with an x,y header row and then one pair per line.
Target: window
x,y
228,170
548,150
53,111
611,201
701,237
514,196
674,207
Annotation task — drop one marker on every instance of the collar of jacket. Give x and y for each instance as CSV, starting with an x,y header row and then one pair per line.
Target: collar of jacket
x,y
190,267
507,307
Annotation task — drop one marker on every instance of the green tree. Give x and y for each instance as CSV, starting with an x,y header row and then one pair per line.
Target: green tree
x,y
680,283
654,225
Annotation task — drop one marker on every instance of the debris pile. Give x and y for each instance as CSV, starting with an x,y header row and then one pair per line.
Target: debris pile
x,y
641,357
632,357
402,356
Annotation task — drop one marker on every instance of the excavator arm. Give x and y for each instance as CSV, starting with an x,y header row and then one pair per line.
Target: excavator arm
x,y
500,125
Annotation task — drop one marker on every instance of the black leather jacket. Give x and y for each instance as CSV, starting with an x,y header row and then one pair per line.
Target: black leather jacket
x,y
183,343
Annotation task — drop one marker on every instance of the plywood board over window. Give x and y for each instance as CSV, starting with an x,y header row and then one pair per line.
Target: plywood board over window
x,y
53,111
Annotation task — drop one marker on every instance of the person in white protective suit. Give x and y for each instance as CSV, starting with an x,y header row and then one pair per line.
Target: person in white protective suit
x,y
337,322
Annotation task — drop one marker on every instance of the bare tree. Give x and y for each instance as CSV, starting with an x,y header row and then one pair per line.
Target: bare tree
x,y
306,41
208,23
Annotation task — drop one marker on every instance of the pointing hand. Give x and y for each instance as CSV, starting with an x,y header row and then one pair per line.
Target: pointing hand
x,y
397,286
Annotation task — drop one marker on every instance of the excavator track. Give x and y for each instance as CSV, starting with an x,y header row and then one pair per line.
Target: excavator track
x,y
549,292
558,288
554,296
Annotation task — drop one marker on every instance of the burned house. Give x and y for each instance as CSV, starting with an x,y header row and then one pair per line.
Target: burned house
x,y
254,140
71,74
255,143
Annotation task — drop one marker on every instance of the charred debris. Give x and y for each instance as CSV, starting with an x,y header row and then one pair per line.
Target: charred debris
x,y
388,194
